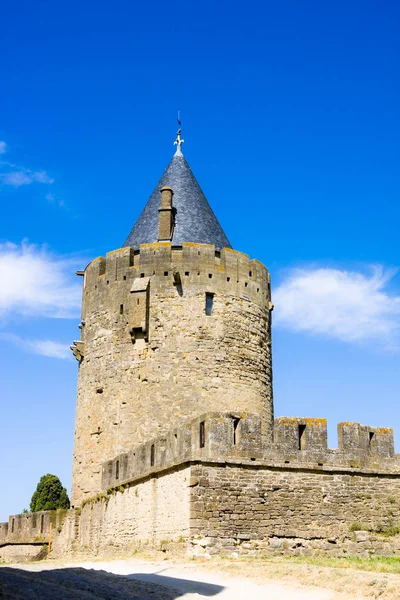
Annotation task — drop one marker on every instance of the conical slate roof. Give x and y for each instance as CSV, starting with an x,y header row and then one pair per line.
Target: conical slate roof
x,y
194,217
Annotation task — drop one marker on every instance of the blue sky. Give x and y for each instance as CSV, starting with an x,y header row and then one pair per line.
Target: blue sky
x,y
291,125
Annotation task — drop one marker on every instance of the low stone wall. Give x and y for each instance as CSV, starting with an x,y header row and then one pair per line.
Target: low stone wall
x,y
255,509
154,509
22,552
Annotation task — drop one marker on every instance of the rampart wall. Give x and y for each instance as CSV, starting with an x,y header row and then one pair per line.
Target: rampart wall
x,y
208,483
150,354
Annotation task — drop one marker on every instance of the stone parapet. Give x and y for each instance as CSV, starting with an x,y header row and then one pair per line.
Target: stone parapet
x,y
236,439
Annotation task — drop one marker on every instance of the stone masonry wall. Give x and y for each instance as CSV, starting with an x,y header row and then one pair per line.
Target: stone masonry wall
x,y
150,356
254,508
151,511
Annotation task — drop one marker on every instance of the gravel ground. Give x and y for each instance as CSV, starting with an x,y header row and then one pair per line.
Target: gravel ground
x,y
142,580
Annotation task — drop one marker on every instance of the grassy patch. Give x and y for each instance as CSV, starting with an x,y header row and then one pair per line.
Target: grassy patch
x,y
379,564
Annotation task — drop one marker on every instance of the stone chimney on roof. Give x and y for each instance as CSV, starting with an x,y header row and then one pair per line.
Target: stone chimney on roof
x,y
165,215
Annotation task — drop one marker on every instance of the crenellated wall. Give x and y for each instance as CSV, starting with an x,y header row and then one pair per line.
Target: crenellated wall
x,y
23,536
150,356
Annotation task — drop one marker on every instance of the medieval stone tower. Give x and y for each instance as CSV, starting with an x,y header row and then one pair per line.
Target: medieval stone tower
x,y
174,324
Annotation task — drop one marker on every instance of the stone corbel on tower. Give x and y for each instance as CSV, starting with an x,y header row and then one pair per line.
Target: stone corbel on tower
x,y
166,215
78,350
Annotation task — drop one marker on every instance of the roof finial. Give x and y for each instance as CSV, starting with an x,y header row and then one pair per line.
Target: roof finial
x,y
178,142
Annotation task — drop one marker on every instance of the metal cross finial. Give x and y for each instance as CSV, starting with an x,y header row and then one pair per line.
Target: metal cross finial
x,y
178,142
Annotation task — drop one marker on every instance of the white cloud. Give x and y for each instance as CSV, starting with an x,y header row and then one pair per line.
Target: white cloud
x,y
43,347
24,177
3,147
37,283
346,305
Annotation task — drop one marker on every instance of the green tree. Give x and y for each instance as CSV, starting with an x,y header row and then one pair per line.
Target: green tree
x,y
49,495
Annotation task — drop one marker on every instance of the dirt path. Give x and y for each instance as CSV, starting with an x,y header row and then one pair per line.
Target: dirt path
x,y
133,579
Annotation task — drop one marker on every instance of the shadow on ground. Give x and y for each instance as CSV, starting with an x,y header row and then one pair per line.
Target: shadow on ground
x,y
84,584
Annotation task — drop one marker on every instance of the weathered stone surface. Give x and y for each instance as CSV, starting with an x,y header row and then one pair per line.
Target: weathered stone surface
x,y
139,381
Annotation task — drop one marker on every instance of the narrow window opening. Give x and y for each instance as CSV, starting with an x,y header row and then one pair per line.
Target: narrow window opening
x,y
198,273
258,289
228,279
246,284
250,274
302,437
95,287
42,524
210,276
12,525
138,300
121,309
152,455
202,434
124,277
209,304
371,436
141,274
165,273
186,273
117,470
108,281
236,431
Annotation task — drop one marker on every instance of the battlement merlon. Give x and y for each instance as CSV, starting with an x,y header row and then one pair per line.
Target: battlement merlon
x,y
226,437
292,434
198,260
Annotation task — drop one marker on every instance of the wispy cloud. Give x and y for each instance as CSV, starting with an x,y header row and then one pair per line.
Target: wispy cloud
x,y
51,198
346,305
43,347
18,175
22,176
37,283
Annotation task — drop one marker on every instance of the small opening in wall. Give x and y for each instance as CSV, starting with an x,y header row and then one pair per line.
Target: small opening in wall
x,y
42,524
152,455
228,279
210,276
209,304
198,273
95,287
287,462
124,277
302,437
253,459
117,470
186,273
371,436
108,281
258,289
202,434
245,284
141,274
34,521
236,431
99,390
12,525
250,274
138,301
121,309
165,273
